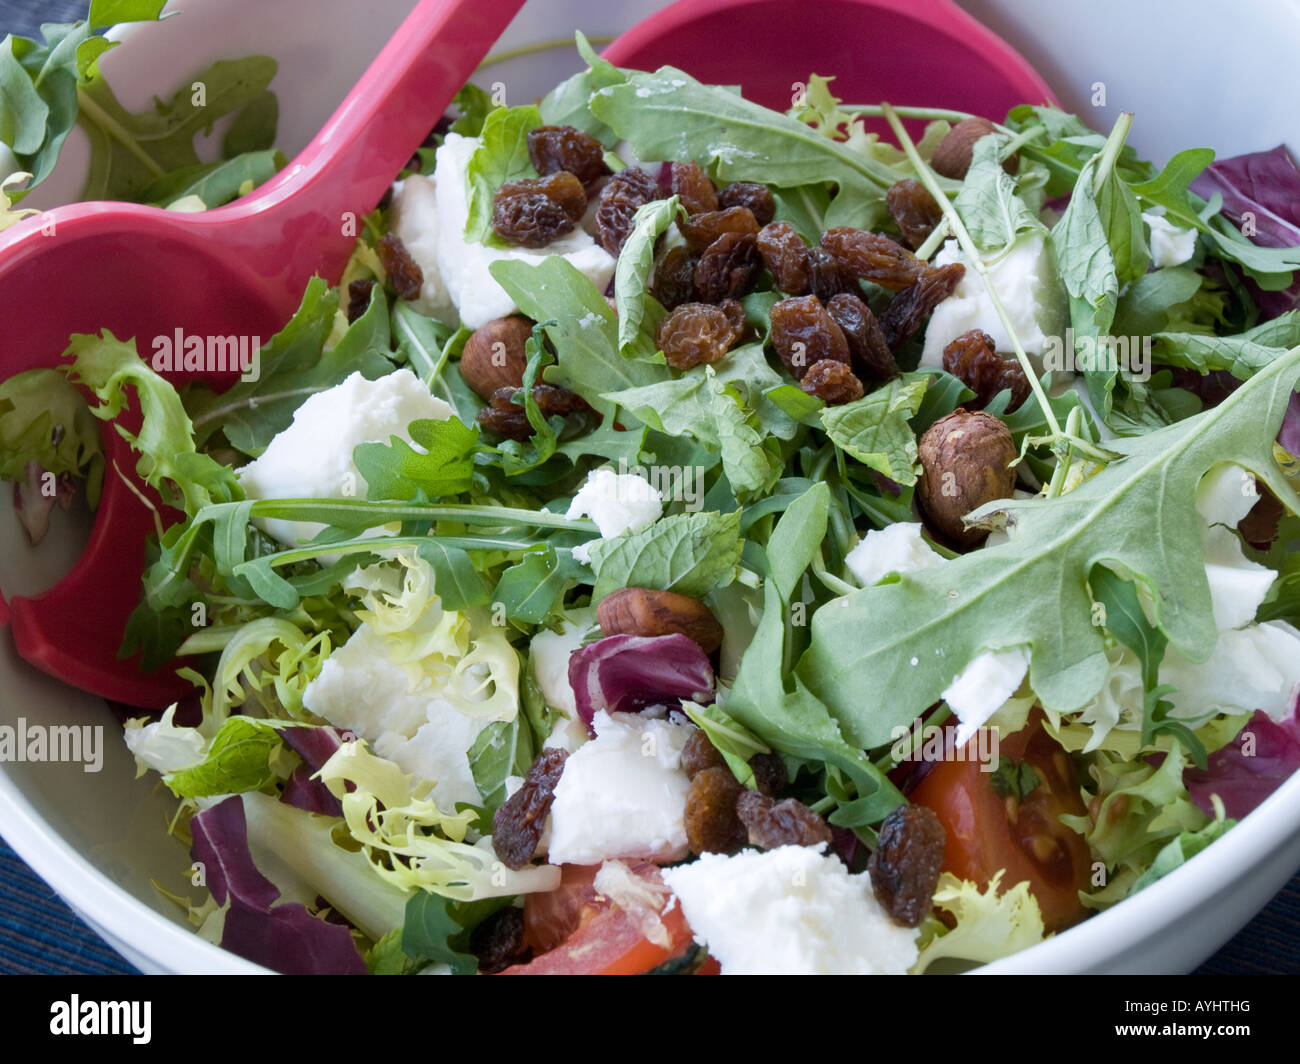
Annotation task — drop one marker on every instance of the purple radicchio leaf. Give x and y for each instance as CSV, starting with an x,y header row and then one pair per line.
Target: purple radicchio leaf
x,y
286,938
1289,435
626,673
315,746
1249,768
1264,185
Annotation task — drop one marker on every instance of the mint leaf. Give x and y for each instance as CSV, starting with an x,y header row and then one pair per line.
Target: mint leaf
x,y
502,156
891,650
875,429
474,106
687,553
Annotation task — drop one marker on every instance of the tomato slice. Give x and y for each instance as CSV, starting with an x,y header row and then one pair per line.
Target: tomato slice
x,y
987,832
577,931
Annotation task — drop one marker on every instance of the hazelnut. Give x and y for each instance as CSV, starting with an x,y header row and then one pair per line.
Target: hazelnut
x,y
952,157
494,356
965,462
640,611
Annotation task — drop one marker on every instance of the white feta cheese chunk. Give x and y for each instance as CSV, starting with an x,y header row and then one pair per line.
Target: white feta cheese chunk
x,y
312,458
983,686
1171,245
548,653
1026,280
897,548
617,502
395,708
463,268
623,794
1256,667
415,221
789,911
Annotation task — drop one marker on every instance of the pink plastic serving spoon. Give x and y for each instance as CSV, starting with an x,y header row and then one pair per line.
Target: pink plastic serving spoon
x,y
241,269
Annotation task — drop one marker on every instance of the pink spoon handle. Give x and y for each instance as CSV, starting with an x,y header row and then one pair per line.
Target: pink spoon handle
x,y
297,224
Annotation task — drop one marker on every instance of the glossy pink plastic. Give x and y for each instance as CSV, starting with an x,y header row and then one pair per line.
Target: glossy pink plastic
x,y
142,272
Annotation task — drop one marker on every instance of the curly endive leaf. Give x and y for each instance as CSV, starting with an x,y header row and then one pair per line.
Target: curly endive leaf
x,y
881,655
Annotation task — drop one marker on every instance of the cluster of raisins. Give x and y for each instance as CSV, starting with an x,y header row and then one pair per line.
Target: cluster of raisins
x,y
722,816
535,211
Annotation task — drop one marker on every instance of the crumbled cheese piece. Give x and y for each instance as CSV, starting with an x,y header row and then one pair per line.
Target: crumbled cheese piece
x,y
1026,280
897,548
1171,245
312,457
789,911
983,686
623,794
617,502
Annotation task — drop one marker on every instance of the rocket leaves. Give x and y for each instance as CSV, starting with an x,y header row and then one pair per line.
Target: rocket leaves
x,y
891,650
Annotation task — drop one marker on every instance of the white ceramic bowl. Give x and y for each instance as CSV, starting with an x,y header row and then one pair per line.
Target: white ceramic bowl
x,y
98,838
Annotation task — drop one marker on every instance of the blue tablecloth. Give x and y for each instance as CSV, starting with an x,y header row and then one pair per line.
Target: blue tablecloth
x,y
38,933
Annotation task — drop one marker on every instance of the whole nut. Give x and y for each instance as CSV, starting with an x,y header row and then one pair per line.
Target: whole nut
x,y
965,462
494,355
640,611
952,157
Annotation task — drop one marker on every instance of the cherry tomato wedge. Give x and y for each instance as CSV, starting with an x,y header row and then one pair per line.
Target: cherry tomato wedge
x,y
579,932
987,832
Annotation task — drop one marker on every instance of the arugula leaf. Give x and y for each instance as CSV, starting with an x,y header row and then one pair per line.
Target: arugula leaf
x,y
1171,294
752,463
875,429
892,649
529,591
237,760
436,929
458,584
566,104
253,128
474,106
687,553
992,212
736,743
632,274
517,457
129,152
216,183
294,365
501,156
582,329
670,115
396,471
1242,355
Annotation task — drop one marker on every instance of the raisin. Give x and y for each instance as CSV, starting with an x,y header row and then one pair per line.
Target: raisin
x,y
711,822
518,822
556,148
533,212
404,274
699,753
674,278
913,210
758,198
358,298
728,268
626,191
804,333
735,314
786,257
909,307
509,419
973,359
832,382
769,823
769,773
905,865
868,352
498,942
694,186
827,278
701,230
873,257
695,333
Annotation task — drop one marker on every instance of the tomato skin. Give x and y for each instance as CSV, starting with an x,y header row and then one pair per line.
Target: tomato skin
x,y
986,832
579,932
